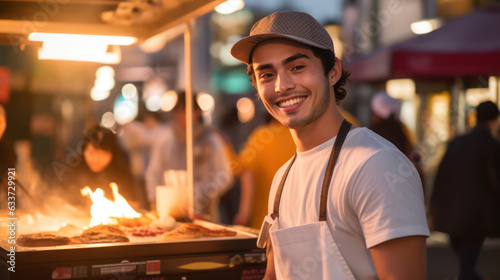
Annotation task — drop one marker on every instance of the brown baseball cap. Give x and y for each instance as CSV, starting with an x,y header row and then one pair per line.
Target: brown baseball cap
x,y
297,26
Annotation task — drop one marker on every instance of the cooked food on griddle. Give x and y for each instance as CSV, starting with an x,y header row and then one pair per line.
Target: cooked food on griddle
x,y
100,234
42,240
183,233
191,230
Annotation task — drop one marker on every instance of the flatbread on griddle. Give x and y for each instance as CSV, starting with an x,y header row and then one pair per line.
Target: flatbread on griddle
x,y
42,240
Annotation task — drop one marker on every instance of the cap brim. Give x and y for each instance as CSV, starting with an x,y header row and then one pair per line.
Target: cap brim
x,y
242,49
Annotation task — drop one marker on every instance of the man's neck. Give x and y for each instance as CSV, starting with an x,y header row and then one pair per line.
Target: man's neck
x,y
323,129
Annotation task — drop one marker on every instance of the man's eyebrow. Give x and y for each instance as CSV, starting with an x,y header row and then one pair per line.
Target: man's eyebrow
x,y
284,61
263,66
294,57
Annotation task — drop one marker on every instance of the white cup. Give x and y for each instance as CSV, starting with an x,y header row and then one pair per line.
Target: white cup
x,y
172,198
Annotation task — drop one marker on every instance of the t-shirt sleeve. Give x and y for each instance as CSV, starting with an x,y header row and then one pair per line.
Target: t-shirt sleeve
x,y
387,197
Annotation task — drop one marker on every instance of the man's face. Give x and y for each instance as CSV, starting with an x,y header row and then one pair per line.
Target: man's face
x,y
291,82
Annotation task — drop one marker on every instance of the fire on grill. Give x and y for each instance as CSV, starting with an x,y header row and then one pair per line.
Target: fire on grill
x,y
116,221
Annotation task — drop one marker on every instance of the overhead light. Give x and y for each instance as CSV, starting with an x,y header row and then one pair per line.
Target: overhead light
x,y
87,39
103,83
205,101
475,96
401,88
493,86
425,26
153,103
246,109
125,110
108,120
129,91
74,47
168,100
230,6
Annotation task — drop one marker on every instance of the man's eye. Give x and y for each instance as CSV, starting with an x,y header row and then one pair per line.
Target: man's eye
x,y
266,75
298,67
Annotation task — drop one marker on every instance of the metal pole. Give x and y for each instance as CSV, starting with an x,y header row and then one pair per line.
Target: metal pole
x,y
189,117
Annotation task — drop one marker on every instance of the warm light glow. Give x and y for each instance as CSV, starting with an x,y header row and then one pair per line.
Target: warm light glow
x,y
104,211
91,39
105,71
108,120
475,96
157,42
103,83
129,91
335,32
99,94
425,26
403,89
125,110
168,100
205,101
67,109
78,47
153,103
493,86
230,6
154,86
246,109
79,52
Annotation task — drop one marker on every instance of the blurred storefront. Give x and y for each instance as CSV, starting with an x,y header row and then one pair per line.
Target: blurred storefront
x,y
440,76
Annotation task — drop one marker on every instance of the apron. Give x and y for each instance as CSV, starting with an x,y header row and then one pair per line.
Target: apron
x,y
309,251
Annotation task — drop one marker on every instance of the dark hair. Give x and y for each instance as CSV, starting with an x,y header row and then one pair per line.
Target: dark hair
x,y
487,111
328,61
392,129
103,139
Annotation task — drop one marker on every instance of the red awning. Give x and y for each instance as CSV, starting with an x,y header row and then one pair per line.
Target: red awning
x,y
466,46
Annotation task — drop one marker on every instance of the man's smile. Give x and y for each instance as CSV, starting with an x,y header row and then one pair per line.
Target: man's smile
x,y
290,102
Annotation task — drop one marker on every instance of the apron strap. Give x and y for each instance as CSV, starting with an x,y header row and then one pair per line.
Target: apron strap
x,y
339,141
277,199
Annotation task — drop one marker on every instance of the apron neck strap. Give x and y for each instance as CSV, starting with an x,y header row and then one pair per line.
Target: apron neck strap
x,y
277,198
339,141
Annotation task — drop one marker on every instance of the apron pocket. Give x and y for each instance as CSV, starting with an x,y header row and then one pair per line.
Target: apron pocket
x,y
308,252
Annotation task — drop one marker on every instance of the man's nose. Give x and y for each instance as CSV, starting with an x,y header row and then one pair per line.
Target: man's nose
x,y
283,83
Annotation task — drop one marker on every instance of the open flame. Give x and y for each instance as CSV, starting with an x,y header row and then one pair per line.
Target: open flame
x,y
106,212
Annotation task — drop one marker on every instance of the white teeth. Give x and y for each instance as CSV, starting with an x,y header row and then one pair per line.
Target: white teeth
x,y
290,102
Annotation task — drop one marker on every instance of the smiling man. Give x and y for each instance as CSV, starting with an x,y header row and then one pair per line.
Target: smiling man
x,y
349,204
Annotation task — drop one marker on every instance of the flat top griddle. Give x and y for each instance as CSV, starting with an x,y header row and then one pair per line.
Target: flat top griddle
x,y
137,247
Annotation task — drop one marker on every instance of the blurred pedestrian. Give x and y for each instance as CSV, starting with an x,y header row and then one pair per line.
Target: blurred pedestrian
x,y
386,123
465,202
104,162
212,173
137,137
268,147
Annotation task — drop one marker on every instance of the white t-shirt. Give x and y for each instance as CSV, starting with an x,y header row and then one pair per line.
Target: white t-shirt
x,y
375,195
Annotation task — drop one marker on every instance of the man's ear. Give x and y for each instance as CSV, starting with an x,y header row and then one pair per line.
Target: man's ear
x,y
335,73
